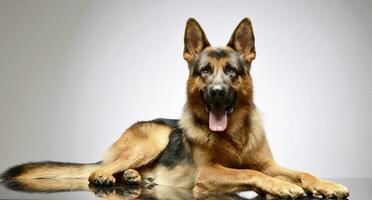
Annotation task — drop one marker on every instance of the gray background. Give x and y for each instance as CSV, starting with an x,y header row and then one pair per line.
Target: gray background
x,y
75,74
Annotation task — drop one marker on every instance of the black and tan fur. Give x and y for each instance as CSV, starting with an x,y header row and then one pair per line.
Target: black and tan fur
x,y
185,153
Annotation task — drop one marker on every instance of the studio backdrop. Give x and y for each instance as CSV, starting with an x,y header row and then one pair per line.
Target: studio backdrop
x,y
75,74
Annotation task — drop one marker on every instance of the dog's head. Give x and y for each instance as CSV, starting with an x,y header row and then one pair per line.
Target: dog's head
x,y
219,87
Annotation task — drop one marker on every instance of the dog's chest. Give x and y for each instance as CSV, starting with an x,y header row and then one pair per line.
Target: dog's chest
x,y
223,152
231,155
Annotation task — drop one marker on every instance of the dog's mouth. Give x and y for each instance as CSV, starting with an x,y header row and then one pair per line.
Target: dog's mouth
x,y
218,113
219,108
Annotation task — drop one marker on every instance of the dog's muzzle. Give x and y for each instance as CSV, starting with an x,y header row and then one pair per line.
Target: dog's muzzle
x,y
219,100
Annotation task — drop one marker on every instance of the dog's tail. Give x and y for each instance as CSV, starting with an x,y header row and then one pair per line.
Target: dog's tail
x,y
49,170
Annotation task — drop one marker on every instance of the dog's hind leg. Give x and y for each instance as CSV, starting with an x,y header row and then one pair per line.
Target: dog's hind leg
x,y
139,145
132,177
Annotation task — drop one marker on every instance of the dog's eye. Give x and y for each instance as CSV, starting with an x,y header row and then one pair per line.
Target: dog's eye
x,y
206,70
230,70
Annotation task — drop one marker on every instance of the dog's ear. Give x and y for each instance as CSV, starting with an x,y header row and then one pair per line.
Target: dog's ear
x,y
242,40
195,40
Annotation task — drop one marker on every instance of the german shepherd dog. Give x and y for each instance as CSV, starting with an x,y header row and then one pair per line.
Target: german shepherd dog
x,y
217,146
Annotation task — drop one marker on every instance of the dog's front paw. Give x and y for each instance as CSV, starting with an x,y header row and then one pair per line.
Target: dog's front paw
x,y
282,189
100,178
328,189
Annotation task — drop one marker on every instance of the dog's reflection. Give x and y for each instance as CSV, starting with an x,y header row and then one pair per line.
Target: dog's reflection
x,y
118,192
140,192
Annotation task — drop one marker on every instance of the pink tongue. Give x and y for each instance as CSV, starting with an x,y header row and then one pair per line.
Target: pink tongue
x,y
217,119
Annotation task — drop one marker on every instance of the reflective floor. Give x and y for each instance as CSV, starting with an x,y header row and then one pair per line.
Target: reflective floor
x,y
80,189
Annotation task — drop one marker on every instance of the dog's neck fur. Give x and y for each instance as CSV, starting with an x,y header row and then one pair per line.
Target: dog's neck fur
x,y
244,131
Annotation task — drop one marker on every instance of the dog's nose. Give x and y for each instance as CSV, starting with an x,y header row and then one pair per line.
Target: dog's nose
x,y
218,92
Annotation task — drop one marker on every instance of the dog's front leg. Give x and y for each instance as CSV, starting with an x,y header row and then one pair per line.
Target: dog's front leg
x,y
309,183
219,179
